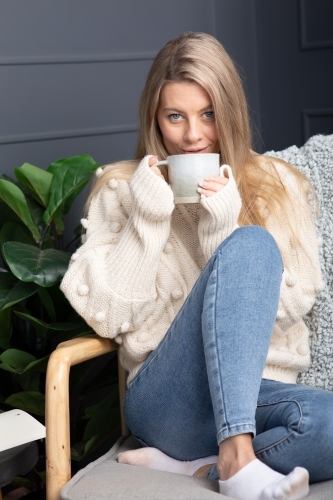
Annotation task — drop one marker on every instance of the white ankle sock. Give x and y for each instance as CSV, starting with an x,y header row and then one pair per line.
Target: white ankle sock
x,y
257,481
156,459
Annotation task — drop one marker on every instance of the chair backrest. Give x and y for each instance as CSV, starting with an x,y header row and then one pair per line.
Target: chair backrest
x,y
122,375
315,160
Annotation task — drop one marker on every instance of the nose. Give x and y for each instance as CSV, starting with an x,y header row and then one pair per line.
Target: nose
x,y
192,131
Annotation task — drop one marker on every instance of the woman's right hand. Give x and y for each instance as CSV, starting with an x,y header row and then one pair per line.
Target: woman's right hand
x,y
156,170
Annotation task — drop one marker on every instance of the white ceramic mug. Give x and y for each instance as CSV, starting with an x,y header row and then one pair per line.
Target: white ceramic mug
x,y
186,171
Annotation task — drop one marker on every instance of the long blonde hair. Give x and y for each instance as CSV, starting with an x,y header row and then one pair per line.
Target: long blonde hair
x,y
200,58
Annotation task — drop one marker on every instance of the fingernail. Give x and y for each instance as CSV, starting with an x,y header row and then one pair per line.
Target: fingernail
x,y
199,190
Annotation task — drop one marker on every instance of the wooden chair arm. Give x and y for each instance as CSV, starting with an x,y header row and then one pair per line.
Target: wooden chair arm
x,y
67,354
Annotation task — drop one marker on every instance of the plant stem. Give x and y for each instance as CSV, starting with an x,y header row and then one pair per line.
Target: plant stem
x,y
41,241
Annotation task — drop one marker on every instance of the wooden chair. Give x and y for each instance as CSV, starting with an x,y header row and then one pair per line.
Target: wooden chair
x,y
67,354
123,481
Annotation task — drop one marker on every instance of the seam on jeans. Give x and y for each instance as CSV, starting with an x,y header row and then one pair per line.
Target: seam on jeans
x,y
216,345
243,424
291,433
287,401
274,445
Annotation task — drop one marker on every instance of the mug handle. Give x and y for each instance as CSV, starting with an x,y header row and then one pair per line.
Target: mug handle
x,y
159,163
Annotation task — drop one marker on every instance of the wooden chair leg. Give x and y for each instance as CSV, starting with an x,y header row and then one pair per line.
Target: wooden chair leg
x,y
58,455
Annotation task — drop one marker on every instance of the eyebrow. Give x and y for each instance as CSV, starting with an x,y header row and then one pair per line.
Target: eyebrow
x,y
206,108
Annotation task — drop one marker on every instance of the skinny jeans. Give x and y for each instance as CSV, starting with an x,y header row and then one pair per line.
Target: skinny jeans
x,y
203,383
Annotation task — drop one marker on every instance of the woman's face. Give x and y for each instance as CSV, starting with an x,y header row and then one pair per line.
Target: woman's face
x,y
186,119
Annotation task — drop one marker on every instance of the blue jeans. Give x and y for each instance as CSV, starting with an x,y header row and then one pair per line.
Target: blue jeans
x,y
202,384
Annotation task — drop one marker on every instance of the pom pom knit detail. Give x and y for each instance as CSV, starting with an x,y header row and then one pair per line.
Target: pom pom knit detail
x,y
84,223
125,327
113,184
303,349
291,280
177,294
99,172
280,314
83,290
168,247
118,339
100,316
74,257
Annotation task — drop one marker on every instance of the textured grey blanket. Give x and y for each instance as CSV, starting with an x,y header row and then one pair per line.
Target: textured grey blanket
x,y
315,160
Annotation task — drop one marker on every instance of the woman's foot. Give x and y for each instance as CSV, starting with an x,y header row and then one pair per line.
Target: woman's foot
x,y
257,481
156,459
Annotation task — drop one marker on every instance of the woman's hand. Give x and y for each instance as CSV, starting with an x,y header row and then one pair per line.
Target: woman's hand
x,y
156,170
212,185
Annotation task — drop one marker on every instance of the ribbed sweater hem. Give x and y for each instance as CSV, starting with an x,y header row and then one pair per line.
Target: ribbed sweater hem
x,y
281,374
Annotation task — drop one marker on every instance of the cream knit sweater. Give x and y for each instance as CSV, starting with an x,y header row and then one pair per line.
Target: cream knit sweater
x,y
142,256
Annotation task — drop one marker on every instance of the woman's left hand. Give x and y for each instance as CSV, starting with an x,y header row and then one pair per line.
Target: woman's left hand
x,y
212,185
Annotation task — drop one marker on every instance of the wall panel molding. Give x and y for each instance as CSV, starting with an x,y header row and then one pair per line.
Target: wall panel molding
x,y
76,59
68,134
309,115
304,19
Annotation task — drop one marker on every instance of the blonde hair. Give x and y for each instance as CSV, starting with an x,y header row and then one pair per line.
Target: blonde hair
x,y
200,58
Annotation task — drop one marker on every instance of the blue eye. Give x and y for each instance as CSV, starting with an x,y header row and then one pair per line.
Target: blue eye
x,y
174,116
209,114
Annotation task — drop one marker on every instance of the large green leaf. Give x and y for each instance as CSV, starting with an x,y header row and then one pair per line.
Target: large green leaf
x,y
29,381
43,328
30,401
63,311
70,175
30,264
5,328
17,360
13,290
36,210
36,180
15,199
40,326
47,302
7,214
15,232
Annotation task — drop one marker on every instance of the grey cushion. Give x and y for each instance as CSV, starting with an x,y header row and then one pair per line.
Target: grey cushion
x,y
106,479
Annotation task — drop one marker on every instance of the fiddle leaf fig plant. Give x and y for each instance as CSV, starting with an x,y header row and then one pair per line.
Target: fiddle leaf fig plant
x,y
35,316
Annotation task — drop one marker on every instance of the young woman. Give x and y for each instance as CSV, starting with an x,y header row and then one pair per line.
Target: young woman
x,y
206,300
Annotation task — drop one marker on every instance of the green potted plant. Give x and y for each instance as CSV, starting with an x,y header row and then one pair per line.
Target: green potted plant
x,y
35,315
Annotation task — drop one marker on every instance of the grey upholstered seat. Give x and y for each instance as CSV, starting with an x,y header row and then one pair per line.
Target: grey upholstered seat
x,y
105,479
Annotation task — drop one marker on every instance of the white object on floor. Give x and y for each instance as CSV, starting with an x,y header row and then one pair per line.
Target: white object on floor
x,y
18,427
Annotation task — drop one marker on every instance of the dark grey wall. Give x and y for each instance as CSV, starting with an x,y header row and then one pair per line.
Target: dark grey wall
x,y
295,70
71,71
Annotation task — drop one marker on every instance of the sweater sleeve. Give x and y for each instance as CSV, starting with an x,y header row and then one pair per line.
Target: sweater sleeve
x,y
111,280
219,215
302,274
